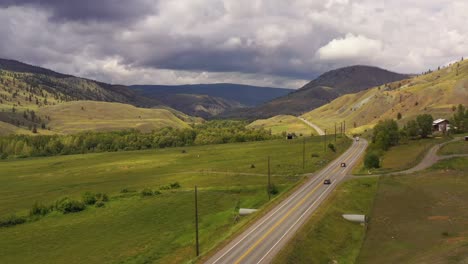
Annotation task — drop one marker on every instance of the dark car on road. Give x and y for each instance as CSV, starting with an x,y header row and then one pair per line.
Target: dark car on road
x,y
327,181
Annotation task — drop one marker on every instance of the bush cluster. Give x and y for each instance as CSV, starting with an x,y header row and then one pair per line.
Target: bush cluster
x,y
64,205
12,220
174,185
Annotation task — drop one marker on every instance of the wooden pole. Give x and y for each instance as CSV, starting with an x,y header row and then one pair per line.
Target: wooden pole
x,y
303,154
269,179
335,133
325,142
196,223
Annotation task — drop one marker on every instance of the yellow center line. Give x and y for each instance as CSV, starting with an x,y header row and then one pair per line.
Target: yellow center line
x,y
288,213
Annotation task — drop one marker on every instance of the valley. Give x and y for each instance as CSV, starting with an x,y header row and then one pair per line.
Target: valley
x,y
132,228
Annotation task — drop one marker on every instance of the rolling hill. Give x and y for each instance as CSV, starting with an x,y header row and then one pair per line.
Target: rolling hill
x,y
320,91
283,123
434,93
210,100
78,116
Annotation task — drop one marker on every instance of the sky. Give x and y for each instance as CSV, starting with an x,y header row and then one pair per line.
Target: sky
x,y
258,42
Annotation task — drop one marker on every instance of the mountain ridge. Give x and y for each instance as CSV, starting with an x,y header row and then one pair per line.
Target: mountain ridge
x,y
323,89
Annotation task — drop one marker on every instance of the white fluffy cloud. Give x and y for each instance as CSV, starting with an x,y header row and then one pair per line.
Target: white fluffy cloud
x,y
266,42
350,47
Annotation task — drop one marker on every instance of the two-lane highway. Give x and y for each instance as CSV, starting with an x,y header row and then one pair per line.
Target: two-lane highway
x,y
262,241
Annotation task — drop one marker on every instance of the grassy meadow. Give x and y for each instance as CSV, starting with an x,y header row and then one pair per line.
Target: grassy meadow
x,y
420,218
402,157
459,147
283,123
74,117
327,237
135,229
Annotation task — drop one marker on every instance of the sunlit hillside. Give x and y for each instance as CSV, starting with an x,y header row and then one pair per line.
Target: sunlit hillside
x,y
283,123
79,116
434,93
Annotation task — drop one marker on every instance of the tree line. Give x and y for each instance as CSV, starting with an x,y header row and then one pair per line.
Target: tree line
x,y
387,133
212,132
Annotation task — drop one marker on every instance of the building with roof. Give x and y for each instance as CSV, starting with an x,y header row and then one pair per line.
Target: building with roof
x,y
441,125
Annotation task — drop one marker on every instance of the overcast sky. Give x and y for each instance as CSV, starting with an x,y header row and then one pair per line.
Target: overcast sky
x,y
260,42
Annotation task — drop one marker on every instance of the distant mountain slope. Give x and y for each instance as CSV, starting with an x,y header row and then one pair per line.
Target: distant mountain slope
x,y
434,93
322,90
204,106
73,117
246,95
18,76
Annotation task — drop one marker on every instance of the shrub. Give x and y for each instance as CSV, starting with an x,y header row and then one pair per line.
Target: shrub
x,y
100,204
102,197
89,198
371,160
4,156
273,189
39,210
313,155
12,220
332,147
147,192
252,166
124,190
67,205
175,185
164,187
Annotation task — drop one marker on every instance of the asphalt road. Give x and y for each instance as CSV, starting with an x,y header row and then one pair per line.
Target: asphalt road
x,y
314,126
262,241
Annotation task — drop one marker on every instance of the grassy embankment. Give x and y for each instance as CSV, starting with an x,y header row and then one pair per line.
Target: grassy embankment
x,y
420,218
327,237
459,147
283,123
404,156
133,229
74,117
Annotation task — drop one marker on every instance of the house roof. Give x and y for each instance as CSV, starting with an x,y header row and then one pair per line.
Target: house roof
x,y
438,121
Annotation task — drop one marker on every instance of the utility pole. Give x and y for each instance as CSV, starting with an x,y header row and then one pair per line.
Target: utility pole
x,y
325,142
303,154
269,180
341,129
196,223
344,126
335,133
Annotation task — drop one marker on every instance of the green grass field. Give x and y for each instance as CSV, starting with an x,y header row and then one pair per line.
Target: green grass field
x,y
283,123
420,218
327,237
133,229
459,147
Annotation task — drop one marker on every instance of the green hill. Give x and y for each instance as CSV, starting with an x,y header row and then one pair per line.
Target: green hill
x,y
79,116
434,93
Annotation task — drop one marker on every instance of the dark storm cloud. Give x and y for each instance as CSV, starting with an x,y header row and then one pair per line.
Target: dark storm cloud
x,y
86,10
246,41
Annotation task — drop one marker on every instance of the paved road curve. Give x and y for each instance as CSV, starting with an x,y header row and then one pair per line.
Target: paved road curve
x,y
262,241
314,126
